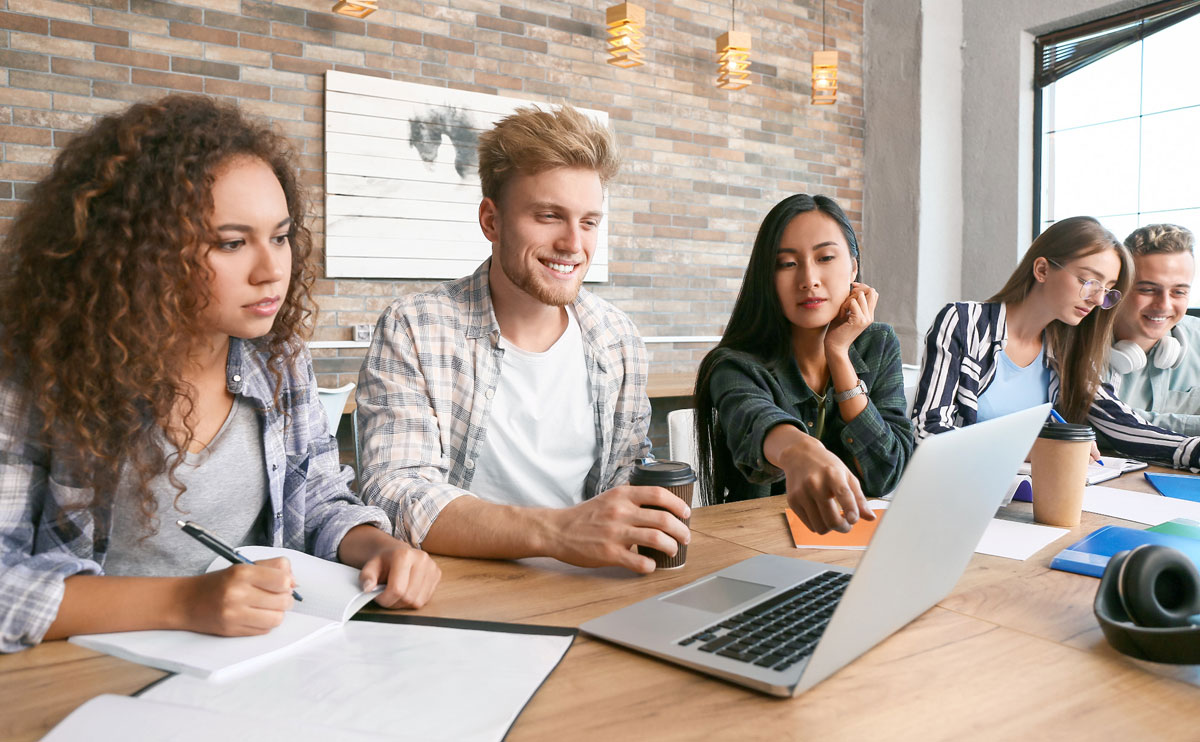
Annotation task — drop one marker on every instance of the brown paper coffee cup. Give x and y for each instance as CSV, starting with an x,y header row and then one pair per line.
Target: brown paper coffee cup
x,y
1059,464
677,478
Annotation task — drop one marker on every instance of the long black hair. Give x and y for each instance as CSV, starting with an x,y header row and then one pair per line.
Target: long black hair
x,y
756,327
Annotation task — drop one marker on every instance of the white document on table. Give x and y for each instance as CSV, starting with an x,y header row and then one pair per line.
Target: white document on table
x,y
110,718
1013,540
416,679
1139,507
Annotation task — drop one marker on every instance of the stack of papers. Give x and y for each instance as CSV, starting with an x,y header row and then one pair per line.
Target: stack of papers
x,y
391,677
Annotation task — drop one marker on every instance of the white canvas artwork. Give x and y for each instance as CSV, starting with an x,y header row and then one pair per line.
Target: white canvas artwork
x,y
402,179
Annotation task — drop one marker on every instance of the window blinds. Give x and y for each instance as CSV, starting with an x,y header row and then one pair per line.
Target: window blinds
x,y
1062,52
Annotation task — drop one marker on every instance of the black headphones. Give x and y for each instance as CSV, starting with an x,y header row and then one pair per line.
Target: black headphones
x,y
1148,605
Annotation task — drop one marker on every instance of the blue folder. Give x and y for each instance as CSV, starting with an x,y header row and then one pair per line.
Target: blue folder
x,y
1182,486
1090,555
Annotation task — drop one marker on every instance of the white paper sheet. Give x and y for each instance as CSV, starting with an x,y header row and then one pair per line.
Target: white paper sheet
x,y
1013,540
110,718
407,681
1139,507
370,681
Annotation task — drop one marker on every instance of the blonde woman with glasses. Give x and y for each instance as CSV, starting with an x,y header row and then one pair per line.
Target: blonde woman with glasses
x,y
1043,337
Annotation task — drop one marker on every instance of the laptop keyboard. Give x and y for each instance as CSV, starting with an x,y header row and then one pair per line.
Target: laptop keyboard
x,y
780,631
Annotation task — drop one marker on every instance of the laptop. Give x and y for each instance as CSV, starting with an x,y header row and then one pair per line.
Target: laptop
x,y
781,625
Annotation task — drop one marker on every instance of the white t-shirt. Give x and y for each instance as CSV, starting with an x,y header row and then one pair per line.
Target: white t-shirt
x,y
542,435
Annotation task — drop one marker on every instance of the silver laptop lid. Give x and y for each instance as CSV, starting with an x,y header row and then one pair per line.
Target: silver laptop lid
x,y
951,488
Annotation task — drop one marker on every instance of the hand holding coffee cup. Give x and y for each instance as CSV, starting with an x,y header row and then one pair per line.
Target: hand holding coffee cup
x,y
677,478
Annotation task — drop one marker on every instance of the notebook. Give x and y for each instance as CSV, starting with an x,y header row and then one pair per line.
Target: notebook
x,y
1181,486
1184,527
1112,468
856,540
331,596
781,625
1089,556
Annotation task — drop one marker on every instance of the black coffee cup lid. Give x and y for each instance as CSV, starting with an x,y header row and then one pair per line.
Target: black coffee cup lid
x,y
1067,432
661,473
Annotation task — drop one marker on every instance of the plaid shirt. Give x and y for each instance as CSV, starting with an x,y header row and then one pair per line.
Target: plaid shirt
x,y
43,544
751,399
425,390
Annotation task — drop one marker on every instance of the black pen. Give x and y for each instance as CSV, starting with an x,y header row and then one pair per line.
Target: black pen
x,y
219,547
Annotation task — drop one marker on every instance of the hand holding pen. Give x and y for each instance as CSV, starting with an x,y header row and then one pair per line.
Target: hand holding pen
x,y
218,547
1095,454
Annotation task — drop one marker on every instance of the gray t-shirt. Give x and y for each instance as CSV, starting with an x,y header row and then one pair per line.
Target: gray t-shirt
x,y
226,494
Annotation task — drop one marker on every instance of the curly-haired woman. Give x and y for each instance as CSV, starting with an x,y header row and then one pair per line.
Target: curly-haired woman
x,y
154,291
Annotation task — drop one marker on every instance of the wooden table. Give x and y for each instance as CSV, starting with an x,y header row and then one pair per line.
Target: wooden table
x,y
1013,652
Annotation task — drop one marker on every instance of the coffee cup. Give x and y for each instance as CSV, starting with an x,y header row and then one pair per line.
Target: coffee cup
x,y
1059,463
677,478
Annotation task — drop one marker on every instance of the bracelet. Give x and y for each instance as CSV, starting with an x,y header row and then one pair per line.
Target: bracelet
x,y
851,393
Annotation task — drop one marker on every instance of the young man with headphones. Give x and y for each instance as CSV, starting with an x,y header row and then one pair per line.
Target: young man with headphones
x,y
1154,363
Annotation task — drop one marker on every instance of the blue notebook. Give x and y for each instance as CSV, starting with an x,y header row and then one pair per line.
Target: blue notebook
x,y
1090,555
1182,486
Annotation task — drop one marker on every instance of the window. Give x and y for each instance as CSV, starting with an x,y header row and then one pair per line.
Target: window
x,y
1119,121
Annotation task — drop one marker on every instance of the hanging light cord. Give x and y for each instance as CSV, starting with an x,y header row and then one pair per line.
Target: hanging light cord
x,y
822,25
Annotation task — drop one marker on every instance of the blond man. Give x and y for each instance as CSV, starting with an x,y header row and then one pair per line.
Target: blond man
x,y
500,413
1155,362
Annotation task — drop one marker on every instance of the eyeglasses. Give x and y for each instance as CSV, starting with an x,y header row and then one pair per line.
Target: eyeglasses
x,y
1092,288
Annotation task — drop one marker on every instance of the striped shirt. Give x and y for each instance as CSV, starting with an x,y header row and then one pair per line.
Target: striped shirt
x,y
962,349
44,542
426,385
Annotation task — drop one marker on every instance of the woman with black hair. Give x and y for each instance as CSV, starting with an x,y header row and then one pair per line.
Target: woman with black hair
x,y
804,395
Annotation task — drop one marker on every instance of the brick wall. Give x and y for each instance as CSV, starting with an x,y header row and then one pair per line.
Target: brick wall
x,y
702,165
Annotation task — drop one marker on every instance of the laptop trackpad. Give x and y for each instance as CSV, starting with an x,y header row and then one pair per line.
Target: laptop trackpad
x,y
718,594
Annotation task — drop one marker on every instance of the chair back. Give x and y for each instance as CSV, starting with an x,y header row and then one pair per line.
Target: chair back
x,y
681,436
334,402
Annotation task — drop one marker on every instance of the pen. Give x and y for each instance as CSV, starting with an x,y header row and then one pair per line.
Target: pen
x,y
1059,419
219,547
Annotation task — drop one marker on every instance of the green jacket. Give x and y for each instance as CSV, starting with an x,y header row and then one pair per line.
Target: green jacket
x,y
750,399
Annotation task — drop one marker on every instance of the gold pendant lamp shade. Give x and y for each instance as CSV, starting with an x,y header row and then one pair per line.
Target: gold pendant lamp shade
x,y
733,60
625,24
356,8
824,77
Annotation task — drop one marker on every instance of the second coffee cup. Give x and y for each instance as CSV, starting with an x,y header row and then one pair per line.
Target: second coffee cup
x,y
1059,464
676,477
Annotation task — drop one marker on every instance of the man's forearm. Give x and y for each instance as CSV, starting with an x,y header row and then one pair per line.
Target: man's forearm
x,y
471,527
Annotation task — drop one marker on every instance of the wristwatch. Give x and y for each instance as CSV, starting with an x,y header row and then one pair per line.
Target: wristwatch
x,y
851,393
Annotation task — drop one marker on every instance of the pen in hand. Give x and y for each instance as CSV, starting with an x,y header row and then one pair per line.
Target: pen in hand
x,y
218,547
1059,419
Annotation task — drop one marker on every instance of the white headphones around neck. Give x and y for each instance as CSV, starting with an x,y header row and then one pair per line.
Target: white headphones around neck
x,y
1126,356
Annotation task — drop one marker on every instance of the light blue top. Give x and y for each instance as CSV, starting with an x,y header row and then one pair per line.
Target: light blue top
x,y
1167,397
1014,388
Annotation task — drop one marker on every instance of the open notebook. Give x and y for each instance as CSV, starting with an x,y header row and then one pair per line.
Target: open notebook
x,y
331,596
1112,468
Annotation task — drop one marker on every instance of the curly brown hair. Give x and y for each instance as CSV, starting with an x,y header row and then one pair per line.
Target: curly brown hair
x,y
104,275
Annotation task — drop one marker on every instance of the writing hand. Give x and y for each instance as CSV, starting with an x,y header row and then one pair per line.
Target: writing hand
x,y
240,600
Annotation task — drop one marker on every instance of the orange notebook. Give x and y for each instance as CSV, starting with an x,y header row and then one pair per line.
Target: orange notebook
x,y
857,539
